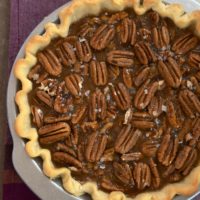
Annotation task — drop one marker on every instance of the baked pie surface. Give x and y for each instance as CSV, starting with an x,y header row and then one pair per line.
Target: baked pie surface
x,y
111,103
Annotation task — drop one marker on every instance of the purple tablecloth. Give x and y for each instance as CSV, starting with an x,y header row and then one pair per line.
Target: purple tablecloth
x,y
25,15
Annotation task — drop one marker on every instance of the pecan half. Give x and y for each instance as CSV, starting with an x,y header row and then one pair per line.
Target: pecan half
x,y
95,147
195,132
172,115
132,156
98,105
79,114
154,17
155,174
161,36
117,17
185,160
121,96
37,74
37,116
50,119
128,31
168,150
186,127
120,58
52,133
123,173
189,103
108,185
142,175
126,139
64,148
66,53
66,159
89,126
127,78
155,106
144,53
102,37
185,43
141,76
73,83
149,148
144,94
194,60
50,86
83,50
108,155
170,71
45,98
50,62
142,120
98,72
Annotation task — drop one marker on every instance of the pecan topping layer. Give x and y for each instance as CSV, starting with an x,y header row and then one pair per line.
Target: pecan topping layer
x,y
117,101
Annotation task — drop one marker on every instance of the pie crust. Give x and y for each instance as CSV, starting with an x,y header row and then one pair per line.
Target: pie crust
x,y
76,10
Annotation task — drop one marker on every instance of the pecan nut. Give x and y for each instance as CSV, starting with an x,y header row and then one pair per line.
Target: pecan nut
x,y
37,116
79,115
102,37
123,173
50,119
109,186
142,120
121,96
128,31
150,147
186,127
83,50
62,104
127,78
186,159
168,150
37,74
64,148
52,133
45,98
141,76
185,43
50,86
172,115
96,146
132,156
66,53
144,53
66,159
189,103
145,94
155,106
142,175
50,62
156,180
120,58
161,37
98,105
170,71
98,72
73,83
126,139
194,60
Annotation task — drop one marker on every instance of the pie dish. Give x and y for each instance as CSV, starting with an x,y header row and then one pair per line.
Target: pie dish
x,y
24,125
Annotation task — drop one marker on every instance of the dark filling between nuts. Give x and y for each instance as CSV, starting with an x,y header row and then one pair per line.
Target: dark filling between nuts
x,y
117,101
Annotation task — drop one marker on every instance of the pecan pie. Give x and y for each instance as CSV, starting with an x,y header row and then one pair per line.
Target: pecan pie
x,y
111,101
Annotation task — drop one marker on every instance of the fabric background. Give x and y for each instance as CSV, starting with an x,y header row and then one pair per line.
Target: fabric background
x,y
25,15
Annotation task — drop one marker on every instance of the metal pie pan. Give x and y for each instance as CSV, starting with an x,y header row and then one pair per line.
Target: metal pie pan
x,y
30,169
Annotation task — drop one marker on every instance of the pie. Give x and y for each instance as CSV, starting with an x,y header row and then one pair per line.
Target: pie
x,y
110,99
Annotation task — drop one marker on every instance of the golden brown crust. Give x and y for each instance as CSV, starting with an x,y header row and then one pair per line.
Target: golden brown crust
x,y
76,10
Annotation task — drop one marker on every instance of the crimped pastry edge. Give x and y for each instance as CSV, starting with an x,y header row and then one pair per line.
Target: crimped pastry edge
x,y
76,10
